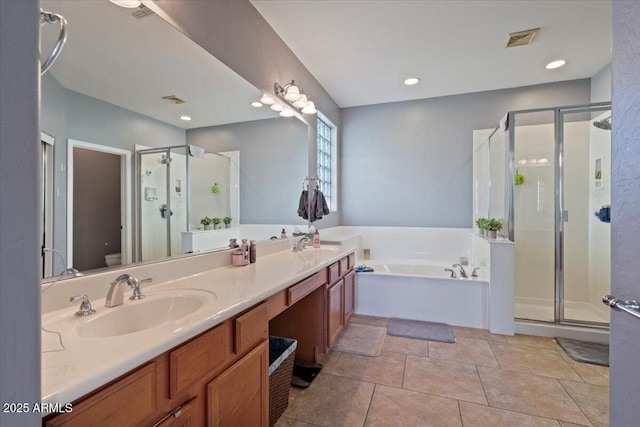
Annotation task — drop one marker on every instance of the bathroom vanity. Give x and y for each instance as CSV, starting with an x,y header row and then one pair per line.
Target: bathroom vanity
x,y
216,373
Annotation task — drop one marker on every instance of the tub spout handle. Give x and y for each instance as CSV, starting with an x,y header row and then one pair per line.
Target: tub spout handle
x,y
453,273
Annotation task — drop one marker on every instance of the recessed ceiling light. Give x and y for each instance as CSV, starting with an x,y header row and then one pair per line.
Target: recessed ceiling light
x,y
185,118
129,4
412,81
555,64
256,104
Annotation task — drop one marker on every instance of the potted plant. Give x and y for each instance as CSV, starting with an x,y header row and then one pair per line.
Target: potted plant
x,y
216,222
482,225
206,221
227,221
493,226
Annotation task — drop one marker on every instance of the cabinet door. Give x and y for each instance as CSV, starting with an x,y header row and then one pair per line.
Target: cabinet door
x,y
179,417
240,395
336,312
349,295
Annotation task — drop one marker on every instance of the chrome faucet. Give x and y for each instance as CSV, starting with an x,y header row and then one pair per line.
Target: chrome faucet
x,y
463,273
300,244
115,297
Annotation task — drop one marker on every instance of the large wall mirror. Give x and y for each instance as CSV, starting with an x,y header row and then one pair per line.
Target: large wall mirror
x,y
115,149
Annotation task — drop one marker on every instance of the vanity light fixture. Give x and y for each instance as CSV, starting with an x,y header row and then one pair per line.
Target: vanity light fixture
x,y
185,118
286,113
129,4
277,107
412,81
555,64
266,99
295,97
256,104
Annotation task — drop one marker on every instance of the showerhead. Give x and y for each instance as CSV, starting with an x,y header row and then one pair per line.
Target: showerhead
x,y
604,124
165,160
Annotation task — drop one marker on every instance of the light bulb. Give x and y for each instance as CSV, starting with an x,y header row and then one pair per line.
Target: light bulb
x,y
310,108
292,94
276,107
286,113
266,99
256,104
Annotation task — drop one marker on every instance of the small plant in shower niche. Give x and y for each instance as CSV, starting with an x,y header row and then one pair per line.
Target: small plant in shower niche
x,y
206,222
493,226
227,221
216,222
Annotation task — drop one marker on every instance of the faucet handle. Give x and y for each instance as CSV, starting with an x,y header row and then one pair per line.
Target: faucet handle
x,y
453,273
137,291
474,273
85,305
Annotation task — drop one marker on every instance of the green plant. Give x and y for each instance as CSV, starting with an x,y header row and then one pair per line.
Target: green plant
x,y
518,178
206,221
216,220
482,223
226,220
494,225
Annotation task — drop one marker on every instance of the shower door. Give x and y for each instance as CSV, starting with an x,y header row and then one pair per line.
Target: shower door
x,y
584,239
153,225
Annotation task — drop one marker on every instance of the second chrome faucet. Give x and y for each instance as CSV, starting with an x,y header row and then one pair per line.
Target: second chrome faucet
x,y
115,297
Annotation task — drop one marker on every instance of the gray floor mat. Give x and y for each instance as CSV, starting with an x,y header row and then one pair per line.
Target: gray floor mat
x,y
419,329
584,351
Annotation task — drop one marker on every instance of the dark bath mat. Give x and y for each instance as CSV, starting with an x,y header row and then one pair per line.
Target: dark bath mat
x,y
584,351
419,329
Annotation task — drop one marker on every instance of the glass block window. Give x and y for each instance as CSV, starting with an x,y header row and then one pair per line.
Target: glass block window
x,y
324,160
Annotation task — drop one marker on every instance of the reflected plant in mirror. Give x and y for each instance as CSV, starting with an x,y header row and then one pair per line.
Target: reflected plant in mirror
x,y
111,109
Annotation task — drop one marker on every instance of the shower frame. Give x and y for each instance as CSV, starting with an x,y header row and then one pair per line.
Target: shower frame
x,y
560,213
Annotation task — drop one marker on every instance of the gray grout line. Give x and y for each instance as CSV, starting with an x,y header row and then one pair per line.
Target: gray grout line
x,y
370,403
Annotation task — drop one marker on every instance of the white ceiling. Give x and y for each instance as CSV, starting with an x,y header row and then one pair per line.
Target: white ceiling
x,y
133,63
361,50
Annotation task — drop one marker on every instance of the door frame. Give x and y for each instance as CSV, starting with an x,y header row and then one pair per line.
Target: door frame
x,y
48,166
125,196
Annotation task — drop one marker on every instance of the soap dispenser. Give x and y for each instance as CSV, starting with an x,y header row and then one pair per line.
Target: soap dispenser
x,y
316,239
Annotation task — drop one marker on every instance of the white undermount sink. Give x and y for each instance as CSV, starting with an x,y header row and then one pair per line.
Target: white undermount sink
x,y
136,316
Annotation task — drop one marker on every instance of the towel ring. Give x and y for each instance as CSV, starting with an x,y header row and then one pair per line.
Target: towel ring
x,y
50,18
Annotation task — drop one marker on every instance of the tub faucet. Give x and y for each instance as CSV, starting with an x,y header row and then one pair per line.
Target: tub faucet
x,y
463,273
300,244
115,297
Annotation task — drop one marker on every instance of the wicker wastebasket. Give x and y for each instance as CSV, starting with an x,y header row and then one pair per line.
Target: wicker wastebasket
x,y
281,356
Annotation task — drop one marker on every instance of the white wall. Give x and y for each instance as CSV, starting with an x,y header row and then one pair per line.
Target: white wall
x,y
601,85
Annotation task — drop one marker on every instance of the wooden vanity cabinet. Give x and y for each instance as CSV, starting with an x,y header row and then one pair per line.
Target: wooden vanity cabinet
x,y
340,297
177,387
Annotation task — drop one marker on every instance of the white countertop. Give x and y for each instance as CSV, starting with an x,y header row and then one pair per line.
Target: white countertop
x,y
88,363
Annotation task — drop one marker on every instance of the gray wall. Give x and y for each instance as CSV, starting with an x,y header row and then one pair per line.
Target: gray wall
x,y
273,164
19,210
410,163
625,205
601,85
70,115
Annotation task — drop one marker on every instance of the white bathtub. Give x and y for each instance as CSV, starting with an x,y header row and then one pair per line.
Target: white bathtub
x,y
411,289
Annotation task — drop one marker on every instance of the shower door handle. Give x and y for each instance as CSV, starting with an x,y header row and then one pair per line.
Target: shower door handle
x,y
628,306
565,216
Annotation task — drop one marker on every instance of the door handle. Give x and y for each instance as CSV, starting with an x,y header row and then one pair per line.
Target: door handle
x,y
628,306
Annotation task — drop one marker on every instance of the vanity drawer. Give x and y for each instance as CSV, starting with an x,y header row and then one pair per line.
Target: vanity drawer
x,y
296,292
127,402
251,328
352,260
196,359
334,272
344,266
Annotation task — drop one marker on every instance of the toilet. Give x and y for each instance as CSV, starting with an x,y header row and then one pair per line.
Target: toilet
x,y
112,259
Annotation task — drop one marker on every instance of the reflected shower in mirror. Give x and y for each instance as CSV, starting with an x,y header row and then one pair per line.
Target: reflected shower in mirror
x,y
110,91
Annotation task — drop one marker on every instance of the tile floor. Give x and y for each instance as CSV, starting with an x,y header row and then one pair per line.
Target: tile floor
x,y
483,380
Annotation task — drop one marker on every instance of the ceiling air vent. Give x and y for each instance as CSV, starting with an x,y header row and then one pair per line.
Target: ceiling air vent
x,y
142,11
521,38
173,99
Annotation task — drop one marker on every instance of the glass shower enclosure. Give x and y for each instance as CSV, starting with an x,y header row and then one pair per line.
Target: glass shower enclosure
x,y
175,187
549,180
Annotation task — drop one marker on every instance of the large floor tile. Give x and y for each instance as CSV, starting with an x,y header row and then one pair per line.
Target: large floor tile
x,y
290,422
361,339
464,350
533,341
369,320
330,360
443,378
484,416
539,361
590,374
388,368
592,399
394,407
482,334
331,401
531,394
406,345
